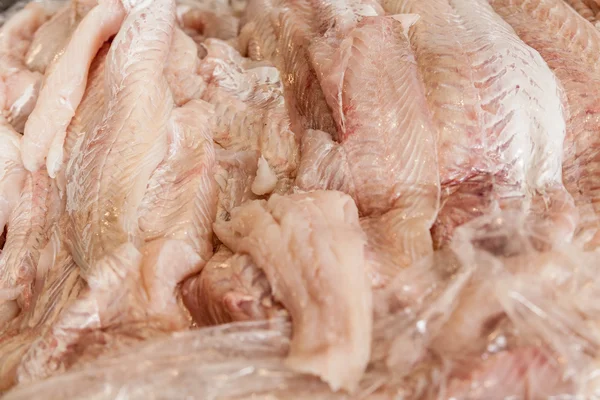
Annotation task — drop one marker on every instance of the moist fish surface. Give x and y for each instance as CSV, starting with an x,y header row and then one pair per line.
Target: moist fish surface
x,y
573,56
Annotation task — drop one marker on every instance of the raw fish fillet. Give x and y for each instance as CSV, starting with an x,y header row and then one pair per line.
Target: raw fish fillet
x,y
107,178
386,154
234,176
208,20
311,248
574,56
182,67
92,106
18,86
180,200
498,111
64,86
250,110
281,32
12,173
37,209
51,38
230,288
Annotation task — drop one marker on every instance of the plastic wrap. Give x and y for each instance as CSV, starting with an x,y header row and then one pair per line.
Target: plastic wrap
x,y
497,315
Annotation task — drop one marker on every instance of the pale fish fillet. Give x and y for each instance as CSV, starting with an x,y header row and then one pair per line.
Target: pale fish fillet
x,y
130,297
12,173
574,56
311,248
181,70
229,288
29,225
584,8
250,110
64,86
180,200
386,155
281,32
500,119
107,178
92,106
18,86
51,38
234,176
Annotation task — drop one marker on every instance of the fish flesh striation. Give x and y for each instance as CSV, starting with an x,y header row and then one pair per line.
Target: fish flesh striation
x,y
108,176
387,148
64,86
35,212
12,173
574,57
180,200
498,113
323,286
182,69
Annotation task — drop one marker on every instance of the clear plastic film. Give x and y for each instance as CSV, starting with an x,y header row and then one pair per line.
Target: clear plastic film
x,y
499,314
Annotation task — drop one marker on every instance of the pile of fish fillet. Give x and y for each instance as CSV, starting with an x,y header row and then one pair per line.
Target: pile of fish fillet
x,y
300,199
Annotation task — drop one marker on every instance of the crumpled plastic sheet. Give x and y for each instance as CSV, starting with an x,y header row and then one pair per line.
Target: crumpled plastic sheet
x,y
499,314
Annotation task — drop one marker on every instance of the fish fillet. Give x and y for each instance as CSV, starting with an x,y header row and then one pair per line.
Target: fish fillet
x,y
64,86
34,214
181,70
386,152
180,201
311,248
574,56
12,173
107,178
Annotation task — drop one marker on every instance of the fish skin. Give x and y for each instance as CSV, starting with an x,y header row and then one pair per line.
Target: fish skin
x,y
574,56
301,241
107,179
64,87
229,288
180,200
398,191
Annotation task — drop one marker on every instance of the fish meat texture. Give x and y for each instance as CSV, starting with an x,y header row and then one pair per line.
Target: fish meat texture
x,y
57,288
182,69
108,176
250,110
588,9
324,285
386,150
282,34
92,107
498,111
115,310
573,56
29,225
12,173
50,39
64,86
180,199
18,86
230,288
208,20
234,175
